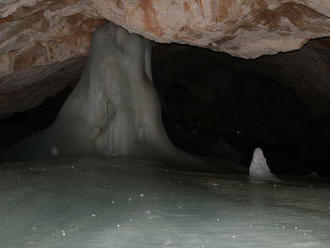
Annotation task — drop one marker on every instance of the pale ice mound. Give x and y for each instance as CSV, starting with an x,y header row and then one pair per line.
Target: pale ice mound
x,y
114,110
259,169
124,203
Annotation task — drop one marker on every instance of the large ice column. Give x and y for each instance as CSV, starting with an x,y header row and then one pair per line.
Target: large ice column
x,y
114,110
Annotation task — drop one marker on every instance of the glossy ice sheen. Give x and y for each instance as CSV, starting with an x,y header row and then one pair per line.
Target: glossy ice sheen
x,y
117,202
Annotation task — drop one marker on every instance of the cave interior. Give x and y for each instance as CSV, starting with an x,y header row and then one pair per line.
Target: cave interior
x,y
168,145
218,106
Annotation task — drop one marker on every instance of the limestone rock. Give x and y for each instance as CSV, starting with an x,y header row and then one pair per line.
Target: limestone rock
x,y
38,39
241,28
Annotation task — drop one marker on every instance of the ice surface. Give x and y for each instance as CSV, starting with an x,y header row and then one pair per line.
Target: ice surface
x,y
259,169
114,110
117,202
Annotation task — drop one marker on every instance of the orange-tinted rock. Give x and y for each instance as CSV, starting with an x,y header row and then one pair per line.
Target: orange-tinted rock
x,y
38,38
242,28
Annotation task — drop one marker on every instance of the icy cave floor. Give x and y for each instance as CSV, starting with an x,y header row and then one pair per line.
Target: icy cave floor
x,y
121,202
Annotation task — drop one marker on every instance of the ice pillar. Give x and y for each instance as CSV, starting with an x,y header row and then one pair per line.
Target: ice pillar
x,y
114,110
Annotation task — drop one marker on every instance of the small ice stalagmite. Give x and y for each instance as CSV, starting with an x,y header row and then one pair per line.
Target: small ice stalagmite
x,y
114,110
259,169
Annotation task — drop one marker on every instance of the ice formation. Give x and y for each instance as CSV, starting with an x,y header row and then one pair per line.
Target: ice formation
x,y
259,169
76,203
114,110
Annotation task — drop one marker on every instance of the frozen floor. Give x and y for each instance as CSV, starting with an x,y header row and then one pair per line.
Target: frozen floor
x,y
120,202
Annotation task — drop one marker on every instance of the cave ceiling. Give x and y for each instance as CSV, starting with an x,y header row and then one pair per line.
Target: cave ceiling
x,y
44,41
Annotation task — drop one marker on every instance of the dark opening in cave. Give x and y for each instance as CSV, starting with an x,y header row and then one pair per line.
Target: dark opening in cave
x,y
213,102
279,103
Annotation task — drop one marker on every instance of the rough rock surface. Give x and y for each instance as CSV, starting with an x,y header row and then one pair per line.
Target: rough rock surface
x,y
39,37
244,28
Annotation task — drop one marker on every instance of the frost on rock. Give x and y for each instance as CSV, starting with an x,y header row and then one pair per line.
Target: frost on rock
x,y
114,110
259,169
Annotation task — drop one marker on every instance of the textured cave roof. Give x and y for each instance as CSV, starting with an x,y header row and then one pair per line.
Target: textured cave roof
x,y
41,40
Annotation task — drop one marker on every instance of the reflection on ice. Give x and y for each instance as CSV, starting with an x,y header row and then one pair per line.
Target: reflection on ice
x,y
117,202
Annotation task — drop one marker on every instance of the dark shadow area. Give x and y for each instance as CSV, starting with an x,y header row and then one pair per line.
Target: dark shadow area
x,y
23,124
217,105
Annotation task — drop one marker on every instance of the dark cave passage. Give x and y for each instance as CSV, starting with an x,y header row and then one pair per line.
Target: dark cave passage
x,y
216,105
221,106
